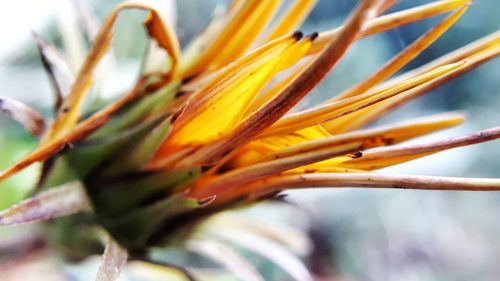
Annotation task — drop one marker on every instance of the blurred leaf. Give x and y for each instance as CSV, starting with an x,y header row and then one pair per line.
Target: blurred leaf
x,y
133,191
88,155
133,229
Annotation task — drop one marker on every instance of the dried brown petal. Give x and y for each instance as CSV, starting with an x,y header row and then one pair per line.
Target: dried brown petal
x,y
31,119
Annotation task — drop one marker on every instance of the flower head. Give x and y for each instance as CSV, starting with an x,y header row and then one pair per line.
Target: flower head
x,y
210,127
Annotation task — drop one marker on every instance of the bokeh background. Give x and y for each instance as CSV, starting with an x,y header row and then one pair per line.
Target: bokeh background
x,y
359,234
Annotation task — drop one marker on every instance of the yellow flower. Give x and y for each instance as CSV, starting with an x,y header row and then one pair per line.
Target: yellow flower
x,y
212,128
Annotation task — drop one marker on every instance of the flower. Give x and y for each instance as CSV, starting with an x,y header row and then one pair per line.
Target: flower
x,y
211,128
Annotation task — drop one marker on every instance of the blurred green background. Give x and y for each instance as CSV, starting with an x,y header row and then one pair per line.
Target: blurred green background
x,y
361,234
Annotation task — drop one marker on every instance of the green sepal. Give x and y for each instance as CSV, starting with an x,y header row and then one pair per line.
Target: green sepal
x,y
77,236
90,154
140,155
133,229
137,111
59,173
134,191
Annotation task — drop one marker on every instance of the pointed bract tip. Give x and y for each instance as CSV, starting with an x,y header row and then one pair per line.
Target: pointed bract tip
x,y
206,201
298,35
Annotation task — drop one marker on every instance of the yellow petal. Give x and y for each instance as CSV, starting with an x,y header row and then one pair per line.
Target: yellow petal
x,y
246,33
215,79
235,32
378,136
263,148
337,109
291,94
294,56
293,18
396,19
490,41
370,114
213,115
222,114
405,56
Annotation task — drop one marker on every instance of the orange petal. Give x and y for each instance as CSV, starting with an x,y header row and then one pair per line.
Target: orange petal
x,y
395,155
214,185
